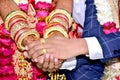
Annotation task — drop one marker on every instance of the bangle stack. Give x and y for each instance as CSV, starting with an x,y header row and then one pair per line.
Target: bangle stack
x,y
58,20
17,25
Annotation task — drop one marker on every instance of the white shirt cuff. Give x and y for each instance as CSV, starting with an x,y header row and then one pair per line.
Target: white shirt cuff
x,y
95,50
69,64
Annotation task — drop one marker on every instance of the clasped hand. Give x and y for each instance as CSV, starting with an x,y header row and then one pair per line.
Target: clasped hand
x,y
51,53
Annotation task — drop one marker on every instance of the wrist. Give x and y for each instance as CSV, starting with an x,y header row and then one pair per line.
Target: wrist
x,y
82,48
29,39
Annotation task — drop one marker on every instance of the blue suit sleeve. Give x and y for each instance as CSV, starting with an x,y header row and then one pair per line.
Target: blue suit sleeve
x,y
110,43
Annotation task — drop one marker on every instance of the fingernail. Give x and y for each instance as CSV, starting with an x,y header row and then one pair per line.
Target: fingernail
x,y
35,60
26,47
56,60
51,57
26,54
41,61
47,56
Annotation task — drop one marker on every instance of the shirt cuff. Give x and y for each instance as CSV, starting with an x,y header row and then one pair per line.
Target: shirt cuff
x,y
69,64
95,50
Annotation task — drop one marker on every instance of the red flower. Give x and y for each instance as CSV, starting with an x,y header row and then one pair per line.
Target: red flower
x,y
109,27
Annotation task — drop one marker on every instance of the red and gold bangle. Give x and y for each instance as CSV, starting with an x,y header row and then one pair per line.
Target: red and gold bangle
x,y
23,36
62,18
60,22
11,15
60,11
62,15
55,28
17,34
15,17
56,24
16,28
15,23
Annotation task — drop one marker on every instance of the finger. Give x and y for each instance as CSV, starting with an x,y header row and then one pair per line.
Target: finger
x,y
56,63
40,60
40,52
39,47
44,69
32,47
51,64
32,44
25,53
36,54
52,70
37,42
39,65
46,61
29,39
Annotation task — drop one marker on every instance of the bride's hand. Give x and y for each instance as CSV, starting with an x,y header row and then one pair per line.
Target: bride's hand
x,y
48,63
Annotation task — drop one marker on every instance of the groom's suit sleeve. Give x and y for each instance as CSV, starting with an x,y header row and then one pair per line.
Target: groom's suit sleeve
x,y
110,43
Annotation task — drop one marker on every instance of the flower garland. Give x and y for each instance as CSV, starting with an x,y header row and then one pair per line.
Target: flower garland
x,y
105,16
42,10
7,49
104,11
13,65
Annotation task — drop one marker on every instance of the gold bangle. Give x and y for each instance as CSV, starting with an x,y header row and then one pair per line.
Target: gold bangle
x,y
60,11
19,33
12,14
17,20
22,37
56,28
59,21
16,28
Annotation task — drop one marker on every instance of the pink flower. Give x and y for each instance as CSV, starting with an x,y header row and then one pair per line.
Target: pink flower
x,y
43,5
3,30
109,27
7,46
5,60
24,7
8,69
42,14
9,77
40,27
43,9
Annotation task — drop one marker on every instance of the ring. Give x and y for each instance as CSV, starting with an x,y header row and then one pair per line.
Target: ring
x,y
43,41
44,51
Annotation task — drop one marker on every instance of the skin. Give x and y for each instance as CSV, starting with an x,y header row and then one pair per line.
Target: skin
x,y
73,47
58,48
4,11
48,62
52,60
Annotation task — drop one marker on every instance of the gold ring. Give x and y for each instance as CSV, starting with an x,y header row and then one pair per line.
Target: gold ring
x,y
44,51
43,41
